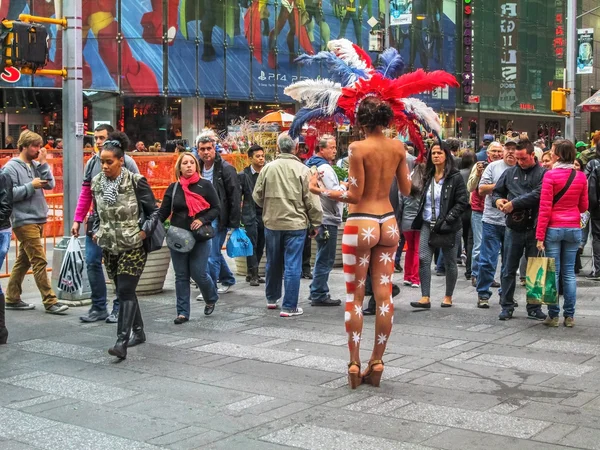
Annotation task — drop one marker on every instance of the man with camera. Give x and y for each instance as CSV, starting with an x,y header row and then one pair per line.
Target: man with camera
x,y
494,152
517,195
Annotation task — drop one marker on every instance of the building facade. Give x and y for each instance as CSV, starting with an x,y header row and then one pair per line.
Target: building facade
x,y
163,69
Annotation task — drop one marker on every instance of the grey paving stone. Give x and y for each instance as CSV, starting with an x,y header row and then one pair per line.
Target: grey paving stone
x,y
384,409
533,353
555,433
472,420
508,407
32,402
249,402
367,403
117,422
585,417
69,437
73,388
298,335
457,439
338,366
61,349
272,343
240,351
555,345
202,440
583,437
181,342
15,445
453,343
317,438
580,399
337,383
261,369
532,365
465,368
469,384
15,424
245,443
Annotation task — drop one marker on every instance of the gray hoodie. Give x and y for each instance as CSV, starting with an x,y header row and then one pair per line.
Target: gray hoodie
x,y
29,204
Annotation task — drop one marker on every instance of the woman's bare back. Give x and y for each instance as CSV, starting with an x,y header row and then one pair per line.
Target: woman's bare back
x,y
374,162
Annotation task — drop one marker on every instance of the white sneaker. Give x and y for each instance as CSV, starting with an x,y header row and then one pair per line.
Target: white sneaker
x,y
272,305
291,312
406,283
415,285
223,289
200,298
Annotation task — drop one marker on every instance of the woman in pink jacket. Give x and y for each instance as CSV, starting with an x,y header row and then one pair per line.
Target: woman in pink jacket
x,y
564,197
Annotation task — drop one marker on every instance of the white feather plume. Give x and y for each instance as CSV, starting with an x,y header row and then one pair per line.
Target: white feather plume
x,y
316,93
344,50
423,112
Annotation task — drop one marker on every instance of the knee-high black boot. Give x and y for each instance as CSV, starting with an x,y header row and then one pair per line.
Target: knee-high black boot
x,y
137,336
126,318
3,330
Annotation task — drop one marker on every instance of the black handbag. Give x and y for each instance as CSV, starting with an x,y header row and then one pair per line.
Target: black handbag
x,y
436,239
154,241
204,233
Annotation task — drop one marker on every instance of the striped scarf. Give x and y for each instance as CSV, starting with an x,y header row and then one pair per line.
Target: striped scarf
x,y
110,188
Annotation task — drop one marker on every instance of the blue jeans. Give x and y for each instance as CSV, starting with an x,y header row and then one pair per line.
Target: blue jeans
x,y
476,225
326,249
93,263
515,243
4,246
562,244
491,243
218,268
193,264
284,256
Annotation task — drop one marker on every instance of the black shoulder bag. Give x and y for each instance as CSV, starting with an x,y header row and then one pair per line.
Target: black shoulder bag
x,y
564,190
153,242
438,240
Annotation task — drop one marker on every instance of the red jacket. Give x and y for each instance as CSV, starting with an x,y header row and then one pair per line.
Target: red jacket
x,y
566,212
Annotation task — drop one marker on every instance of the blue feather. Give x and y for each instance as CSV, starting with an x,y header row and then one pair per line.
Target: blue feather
x,y
390,64
340,71
303,116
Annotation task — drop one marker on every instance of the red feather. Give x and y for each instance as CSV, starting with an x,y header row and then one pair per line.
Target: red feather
x,y
420,81
364,56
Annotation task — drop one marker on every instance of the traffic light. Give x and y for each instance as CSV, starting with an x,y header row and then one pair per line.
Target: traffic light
x,y
23,44
558,101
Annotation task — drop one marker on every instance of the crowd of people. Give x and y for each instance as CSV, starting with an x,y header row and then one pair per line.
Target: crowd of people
x,y
445,207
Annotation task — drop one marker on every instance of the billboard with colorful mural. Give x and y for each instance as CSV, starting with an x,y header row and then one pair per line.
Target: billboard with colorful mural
x,y
231,49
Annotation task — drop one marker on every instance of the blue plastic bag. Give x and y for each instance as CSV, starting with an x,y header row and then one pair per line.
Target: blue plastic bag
x,y
239,244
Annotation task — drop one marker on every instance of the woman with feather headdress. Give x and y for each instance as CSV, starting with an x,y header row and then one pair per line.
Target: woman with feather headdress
x,y
374,99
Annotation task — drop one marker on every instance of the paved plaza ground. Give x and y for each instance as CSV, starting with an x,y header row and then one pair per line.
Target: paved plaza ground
x,y
244,378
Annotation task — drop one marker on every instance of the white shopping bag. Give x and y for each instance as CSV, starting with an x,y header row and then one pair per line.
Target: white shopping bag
x,y
70,279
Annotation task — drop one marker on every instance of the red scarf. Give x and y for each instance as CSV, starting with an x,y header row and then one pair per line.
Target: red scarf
x,y
195,202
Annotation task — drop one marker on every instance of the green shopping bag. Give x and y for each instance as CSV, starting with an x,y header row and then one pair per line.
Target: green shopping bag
x,y
541,281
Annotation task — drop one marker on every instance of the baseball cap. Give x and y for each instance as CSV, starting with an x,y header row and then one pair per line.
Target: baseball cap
x,y
50,138
581,144
511,140
488,138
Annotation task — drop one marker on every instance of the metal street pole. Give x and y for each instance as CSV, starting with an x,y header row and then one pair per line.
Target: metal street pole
x,y
571,72
72,100
72,103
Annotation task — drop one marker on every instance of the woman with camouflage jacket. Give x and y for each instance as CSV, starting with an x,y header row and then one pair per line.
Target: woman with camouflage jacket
x,y
121,198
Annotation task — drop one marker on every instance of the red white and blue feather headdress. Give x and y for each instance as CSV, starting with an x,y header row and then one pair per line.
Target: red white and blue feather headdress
x,y
354,78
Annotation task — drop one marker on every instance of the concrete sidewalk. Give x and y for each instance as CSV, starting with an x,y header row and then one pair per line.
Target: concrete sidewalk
x,y
244,378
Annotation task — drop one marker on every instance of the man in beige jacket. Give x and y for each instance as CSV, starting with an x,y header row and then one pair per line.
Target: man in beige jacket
x,y
288,210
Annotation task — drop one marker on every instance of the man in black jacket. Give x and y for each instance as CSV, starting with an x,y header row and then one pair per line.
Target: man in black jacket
x,y
252,213
517,194
6,204
225,181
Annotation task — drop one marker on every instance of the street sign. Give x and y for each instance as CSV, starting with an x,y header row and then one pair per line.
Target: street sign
x,y
474,98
